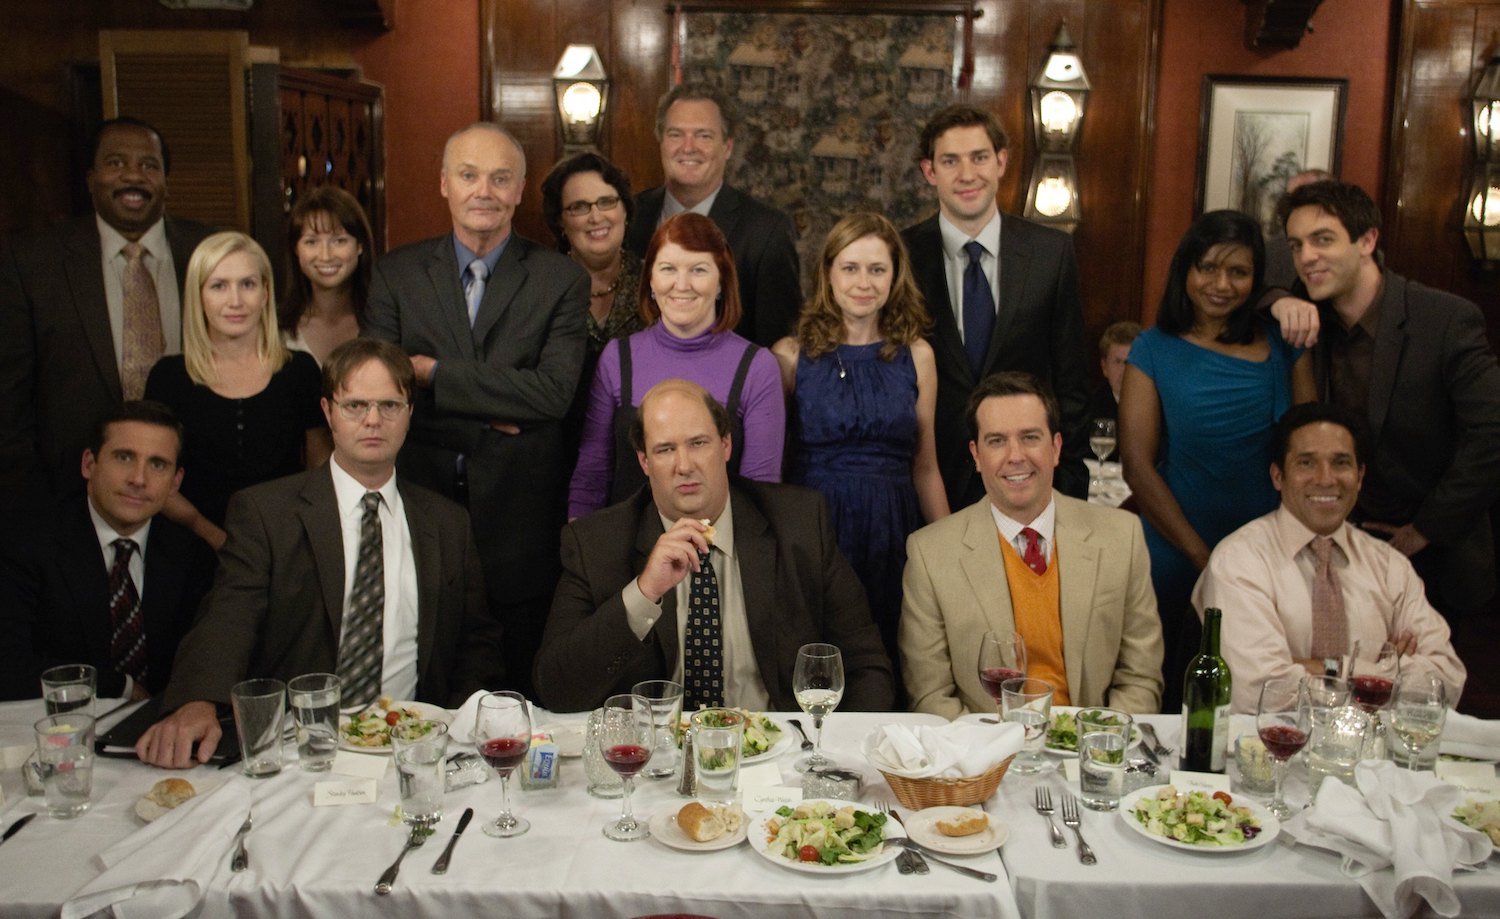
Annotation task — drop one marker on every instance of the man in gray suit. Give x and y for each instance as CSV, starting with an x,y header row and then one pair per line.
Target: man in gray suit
x,y
494,327
303,556
66,357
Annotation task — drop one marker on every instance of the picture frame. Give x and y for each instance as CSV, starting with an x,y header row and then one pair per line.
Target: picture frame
x,y
1257,132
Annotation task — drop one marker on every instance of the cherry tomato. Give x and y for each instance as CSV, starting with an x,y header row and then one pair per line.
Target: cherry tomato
x,y
808,853
1223,796
392,717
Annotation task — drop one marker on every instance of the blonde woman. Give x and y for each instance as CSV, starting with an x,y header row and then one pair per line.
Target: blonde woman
x,y
249,406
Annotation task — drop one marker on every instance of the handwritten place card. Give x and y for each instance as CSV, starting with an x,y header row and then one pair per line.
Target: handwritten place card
x,y
1470,776
344,791
1199,781
359,765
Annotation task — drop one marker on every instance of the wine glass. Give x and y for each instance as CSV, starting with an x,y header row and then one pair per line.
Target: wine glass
x,y
1372,670
1002,656
502,734
1102,442
627,735
1419,706
1283,720
818,682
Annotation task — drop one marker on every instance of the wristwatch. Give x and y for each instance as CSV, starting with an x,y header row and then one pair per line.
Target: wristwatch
x,y
1330,666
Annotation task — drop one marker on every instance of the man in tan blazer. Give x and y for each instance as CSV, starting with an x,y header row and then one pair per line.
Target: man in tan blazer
x,y
1080,572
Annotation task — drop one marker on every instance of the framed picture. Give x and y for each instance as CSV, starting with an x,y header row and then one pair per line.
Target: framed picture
x,y
1257,132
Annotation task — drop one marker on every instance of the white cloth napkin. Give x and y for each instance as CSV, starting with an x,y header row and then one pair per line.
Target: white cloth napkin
x,y
958,750
1396,834
161,871
1465,735
461,729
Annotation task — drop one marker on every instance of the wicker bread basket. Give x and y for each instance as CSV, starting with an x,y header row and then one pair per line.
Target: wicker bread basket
x,y
919,793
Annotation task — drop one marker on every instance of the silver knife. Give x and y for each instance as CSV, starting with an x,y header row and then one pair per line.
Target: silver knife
x,y
441,865
16,827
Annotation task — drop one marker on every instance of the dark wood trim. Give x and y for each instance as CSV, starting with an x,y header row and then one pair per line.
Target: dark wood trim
x,y
839,7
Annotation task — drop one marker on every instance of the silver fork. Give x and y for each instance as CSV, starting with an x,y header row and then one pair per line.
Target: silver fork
x,y
1071,821
241,859
1044,807
418,836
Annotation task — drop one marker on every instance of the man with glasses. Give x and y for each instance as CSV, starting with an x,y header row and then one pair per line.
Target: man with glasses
x,y
343,569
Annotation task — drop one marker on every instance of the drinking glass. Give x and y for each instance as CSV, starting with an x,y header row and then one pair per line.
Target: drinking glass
x,y
1102,442
1002,656
1103,735
418,748
1372,670
259,710
65,762
1419,706
1337,745
1029,704
502,734
627,737
1283,719
718,741
315,710
818,682
665,697
1325,694
68,687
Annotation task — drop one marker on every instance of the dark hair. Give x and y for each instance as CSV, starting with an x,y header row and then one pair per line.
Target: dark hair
x,y
1011,383
960,116
716,411
695,233
1216,228
343,208
728,117
1344,200
1118,333
146,411
125,121
552,190
1300,416
355,353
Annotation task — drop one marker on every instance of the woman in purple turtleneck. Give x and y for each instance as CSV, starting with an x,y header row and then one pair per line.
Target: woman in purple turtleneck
x,y
690,300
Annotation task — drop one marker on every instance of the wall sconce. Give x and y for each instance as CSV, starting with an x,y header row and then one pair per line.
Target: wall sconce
x,y
1058,96
1482,202
582,91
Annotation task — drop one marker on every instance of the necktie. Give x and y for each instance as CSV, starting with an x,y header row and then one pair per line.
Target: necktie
x,y
702,641
127,643
979,308
1330,627
1031,554
474,286
362,645
142,343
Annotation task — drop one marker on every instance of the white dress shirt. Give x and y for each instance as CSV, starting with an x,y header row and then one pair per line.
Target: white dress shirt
x,y
1045,525
956,261
163,273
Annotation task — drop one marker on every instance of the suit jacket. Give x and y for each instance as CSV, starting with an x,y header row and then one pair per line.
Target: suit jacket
x,y
764,242
798,589
1038,328
955,590
277,603
58,372
54,600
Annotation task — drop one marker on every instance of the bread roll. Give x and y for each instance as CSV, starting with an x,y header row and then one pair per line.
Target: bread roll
x,y
974,821
700,823
708,530
168,793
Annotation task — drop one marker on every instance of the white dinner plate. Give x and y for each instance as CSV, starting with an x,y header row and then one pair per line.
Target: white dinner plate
x,y
428,712
782,744
664,829
922,826
760,838
149,810
1135,732
1270,827
568,737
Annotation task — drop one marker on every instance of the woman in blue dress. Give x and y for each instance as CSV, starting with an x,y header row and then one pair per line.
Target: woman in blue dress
x,y
864,389
1202,391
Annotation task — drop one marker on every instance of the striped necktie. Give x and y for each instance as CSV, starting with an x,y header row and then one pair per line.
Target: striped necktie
x,y
362,644
127,643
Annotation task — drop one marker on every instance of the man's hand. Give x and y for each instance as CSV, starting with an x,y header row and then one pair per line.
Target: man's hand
x,y
169,742
673,557
1404,539
1405,642
423,366
1299,321
505,427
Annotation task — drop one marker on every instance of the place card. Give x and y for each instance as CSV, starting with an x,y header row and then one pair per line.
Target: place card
x,y
14,757
765,798
759,775
359,765
344,791
1199,781
1070,770
1470,776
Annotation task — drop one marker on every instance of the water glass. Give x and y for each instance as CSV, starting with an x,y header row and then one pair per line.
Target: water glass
x,y
315,708
718,735
419,748
69,687
1337,745
603,782
1419,706
1028,702
65,762
259,706
665,697
1103,735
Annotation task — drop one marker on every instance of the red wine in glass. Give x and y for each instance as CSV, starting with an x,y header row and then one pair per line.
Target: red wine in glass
x,y
1371,692
994,677
503,753
1283,741
627,758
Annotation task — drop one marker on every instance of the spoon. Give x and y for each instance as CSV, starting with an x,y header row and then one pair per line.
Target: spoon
x,y
806,743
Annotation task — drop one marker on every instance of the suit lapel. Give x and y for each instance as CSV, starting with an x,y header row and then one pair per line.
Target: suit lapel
x,y
648,205
726,211
85,273
756,551
985,569
930,266
1390,340
1079,559
504,284
78,551
1013,259
425,553
319,514
448,292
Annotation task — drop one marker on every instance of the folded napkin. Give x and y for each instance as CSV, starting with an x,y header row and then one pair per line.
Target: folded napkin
x,y
161,871
1465,735
461,729
950,751
1364,825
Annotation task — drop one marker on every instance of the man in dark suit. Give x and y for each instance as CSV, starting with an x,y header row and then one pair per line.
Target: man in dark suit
x,y
695,127
1028,318
73,591
343,569
66,356
1415,362
633,600
497,360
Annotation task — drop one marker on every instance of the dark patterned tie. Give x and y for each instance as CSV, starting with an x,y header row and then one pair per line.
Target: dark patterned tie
x,y
1032,553
979,308
127,643
702,641
1330,626
362,645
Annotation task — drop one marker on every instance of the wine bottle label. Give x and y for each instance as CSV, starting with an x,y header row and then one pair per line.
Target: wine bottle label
x,y
1221,737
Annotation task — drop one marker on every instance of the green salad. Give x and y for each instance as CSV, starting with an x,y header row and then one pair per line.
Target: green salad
x,y
815,832
1196,818
1063,734
761,732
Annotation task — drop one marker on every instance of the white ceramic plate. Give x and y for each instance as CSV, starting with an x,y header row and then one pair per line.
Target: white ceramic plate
x,y
759,837
922,826
782,744
1270,827
428,712
569,738
149,810
1135,732
664,829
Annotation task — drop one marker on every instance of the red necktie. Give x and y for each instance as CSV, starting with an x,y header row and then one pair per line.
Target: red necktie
x,y
1033,556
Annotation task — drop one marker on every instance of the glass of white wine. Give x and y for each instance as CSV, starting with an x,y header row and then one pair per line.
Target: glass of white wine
x,y
1102,441
818,682
1419,706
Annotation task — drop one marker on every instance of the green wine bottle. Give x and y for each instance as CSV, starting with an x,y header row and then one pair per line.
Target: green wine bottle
x,y
1205,703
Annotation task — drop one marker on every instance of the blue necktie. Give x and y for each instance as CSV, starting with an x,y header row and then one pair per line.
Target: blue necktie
x,y
979,308
474,286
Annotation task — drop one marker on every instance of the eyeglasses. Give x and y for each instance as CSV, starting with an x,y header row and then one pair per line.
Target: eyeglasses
x,y
358,409
582,208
